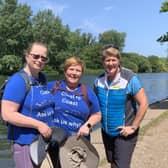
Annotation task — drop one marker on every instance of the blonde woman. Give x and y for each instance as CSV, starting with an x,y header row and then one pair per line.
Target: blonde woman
x,y
123,105
28,114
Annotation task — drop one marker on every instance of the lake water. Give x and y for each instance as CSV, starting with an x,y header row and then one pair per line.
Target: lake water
x,y
155,84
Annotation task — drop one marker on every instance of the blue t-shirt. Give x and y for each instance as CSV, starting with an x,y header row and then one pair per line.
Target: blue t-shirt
x,y
71,110
38,104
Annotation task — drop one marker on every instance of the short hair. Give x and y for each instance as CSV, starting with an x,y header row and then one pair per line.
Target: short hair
x,y
110,50
73,61
30,46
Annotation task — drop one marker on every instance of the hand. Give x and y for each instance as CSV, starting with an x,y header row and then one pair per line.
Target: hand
x,y
126,130
44,130
83,130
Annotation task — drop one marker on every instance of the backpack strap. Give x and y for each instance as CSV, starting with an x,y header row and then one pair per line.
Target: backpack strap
x,y
27,80
2,87
29,83
56,87
85,94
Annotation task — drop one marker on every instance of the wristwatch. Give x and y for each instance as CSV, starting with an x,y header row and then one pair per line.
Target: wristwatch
x,y
134,128
89,126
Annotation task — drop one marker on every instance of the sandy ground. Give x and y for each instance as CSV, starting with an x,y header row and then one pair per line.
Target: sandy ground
x,y
151,150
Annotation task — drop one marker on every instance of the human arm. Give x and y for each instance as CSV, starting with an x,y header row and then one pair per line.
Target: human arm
x,y
142,102
12,101
95,114
11,115
92,121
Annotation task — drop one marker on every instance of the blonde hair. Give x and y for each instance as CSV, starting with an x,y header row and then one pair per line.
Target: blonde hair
x,y
73,61
30,46
110,51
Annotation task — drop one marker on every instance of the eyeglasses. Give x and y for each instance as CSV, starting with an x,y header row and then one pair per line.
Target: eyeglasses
x,y
37,56
109,46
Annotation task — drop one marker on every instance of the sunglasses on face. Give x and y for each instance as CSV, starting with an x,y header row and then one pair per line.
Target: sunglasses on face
x,y
109,46
38,56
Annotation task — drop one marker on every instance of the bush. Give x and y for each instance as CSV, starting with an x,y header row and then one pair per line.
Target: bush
x,y
10,64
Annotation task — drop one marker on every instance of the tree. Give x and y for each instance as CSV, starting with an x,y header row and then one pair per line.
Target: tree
x,y
114,37
136,62
164,8
130,65
49,29
92,57
10,64
15,27
156,64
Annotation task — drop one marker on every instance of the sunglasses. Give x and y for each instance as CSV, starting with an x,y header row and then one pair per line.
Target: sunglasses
x,y
109,46
37,56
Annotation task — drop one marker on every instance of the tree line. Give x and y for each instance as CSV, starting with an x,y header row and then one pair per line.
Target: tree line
x,y
18,27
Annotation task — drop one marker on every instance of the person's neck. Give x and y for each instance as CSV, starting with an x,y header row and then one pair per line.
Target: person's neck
x,y
112,77
71,87
30,72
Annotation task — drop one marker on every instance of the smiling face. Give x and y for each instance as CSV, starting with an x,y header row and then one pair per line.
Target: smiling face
x,y
73,70
111,61
111,65
72,75
35,58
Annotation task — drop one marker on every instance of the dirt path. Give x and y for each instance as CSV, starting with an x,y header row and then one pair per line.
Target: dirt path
x,y
152,150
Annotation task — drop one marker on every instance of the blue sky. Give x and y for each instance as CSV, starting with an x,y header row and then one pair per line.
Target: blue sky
x,y
139,19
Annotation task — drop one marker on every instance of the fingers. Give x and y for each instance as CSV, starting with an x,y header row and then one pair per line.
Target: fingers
x,y
125,130
45,130
78,135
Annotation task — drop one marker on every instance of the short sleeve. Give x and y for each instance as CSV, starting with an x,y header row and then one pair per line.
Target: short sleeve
x,y
15,89
134,85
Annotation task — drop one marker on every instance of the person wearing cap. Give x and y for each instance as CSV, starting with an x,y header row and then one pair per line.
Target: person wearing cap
x,y
123,105
73,112
28,114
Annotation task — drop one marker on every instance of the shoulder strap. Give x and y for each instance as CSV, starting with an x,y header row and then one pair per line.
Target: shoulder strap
x,y
27,81
2,87
56,87
85,94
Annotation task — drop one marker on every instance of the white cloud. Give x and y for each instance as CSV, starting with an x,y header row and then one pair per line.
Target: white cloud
x,y
56,8
108,8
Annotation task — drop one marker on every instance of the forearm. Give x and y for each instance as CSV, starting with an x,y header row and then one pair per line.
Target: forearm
x,y
94,119
87,126
18,119
140,115
11,115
